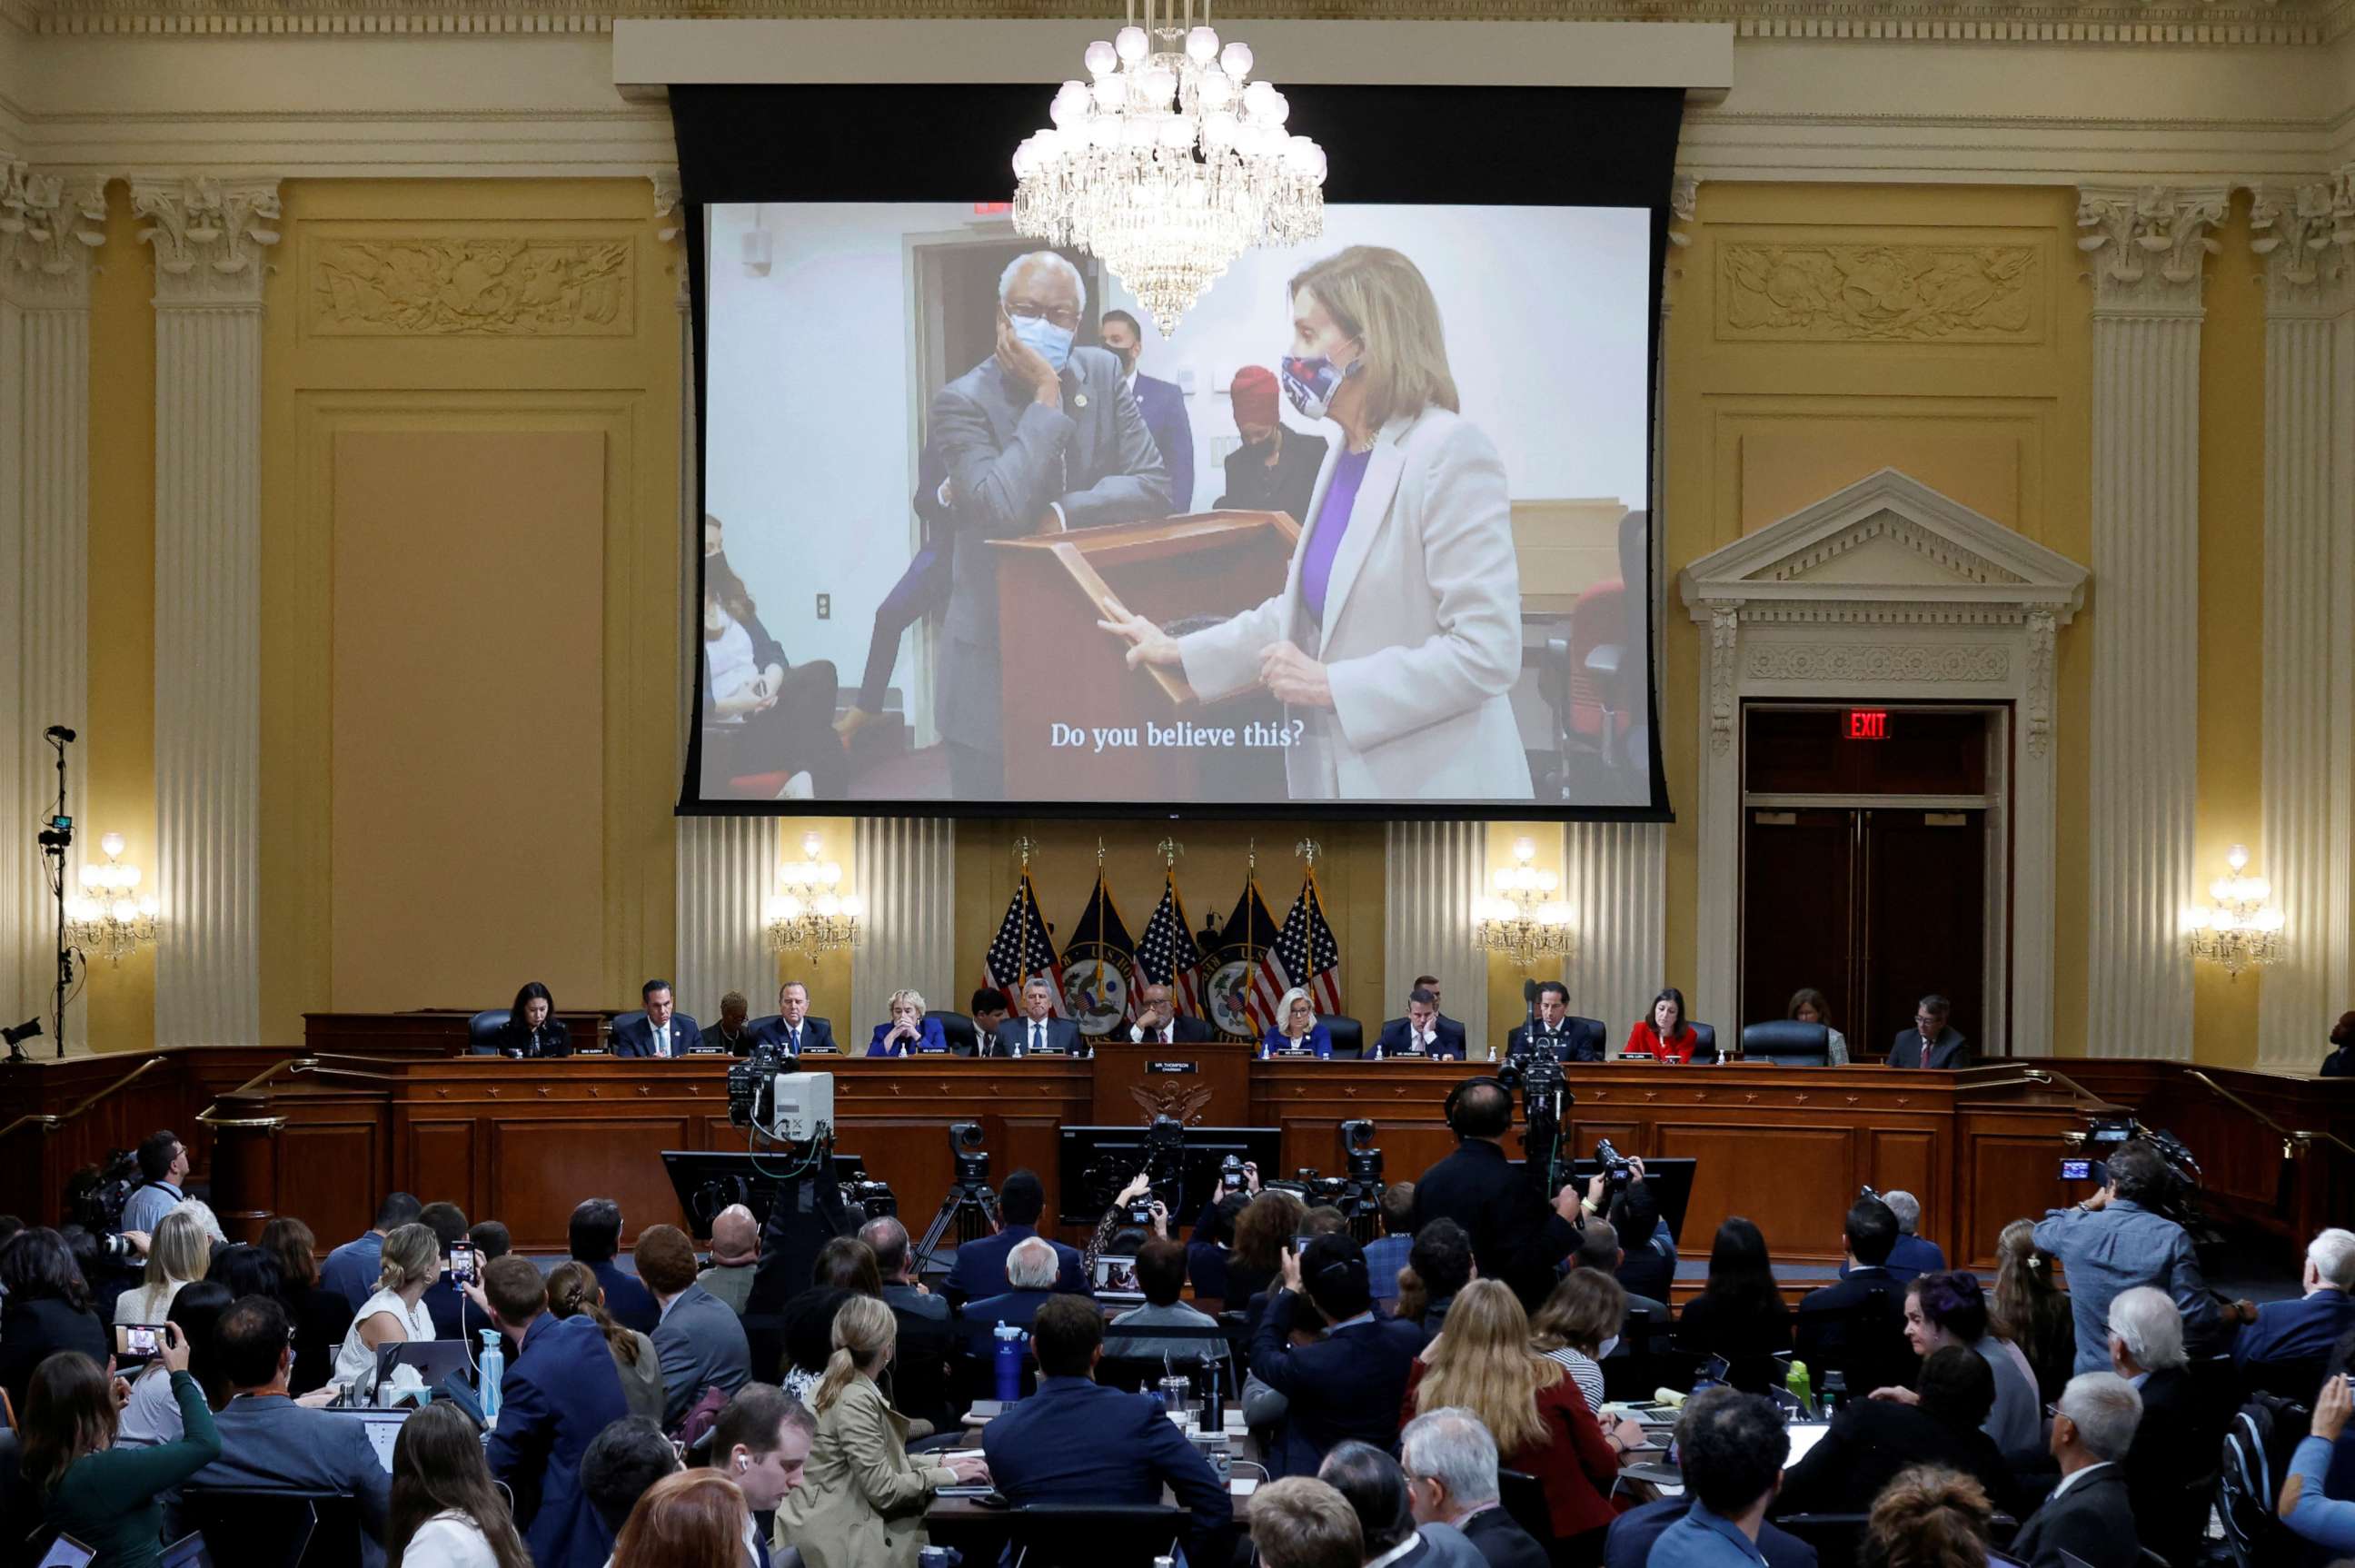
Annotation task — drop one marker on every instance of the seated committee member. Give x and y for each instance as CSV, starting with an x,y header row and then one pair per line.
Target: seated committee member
x,y
910,1032
989,1006
1422,1032
1572,1042
1158,1021
1664,1035
1038,1031
1275,469
794,1029
1404,582
533,1030
659,1030
1932,1041
1808,1006
559,1391
778,716
1296,1031
735,1032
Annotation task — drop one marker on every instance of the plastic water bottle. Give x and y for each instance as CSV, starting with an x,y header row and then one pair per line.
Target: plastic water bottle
x,y
1835,1393
495,1367
1801,1385
1010,1362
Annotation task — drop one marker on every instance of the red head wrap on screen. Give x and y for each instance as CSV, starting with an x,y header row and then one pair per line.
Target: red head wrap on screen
x,y
1255,395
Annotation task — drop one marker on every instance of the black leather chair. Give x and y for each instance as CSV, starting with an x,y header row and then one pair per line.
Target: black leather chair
x,y
958,1030
1349,1036
1056,1535
1523,1497
268,1526
1787,1042
483,1030
1705,1048
1594,1030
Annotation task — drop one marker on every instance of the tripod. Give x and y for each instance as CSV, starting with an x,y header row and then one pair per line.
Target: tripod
x,y
970,1206
56,838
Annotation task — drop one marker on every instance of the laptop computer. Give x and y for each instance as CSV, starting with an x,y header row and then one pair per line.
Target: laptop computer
x,y
67,1553
383,1429
436,1361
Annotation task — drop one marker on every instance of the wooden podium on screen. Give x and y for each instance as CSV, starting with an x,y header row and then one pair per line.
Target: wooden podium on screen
x,y
1059,667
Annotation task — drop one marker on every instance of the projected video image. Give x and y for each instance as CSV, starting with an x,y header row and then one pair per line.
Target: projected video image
x,y
1368,526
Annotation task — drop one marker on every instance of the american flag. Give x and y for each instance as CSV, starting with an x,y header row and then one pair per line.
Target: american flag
x,y
1022,948
1168,953
1305,955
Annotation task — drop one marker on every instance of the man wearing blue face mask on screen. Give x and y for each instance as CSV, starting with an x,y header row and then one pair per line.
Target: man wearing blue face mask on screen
x,y
1040,437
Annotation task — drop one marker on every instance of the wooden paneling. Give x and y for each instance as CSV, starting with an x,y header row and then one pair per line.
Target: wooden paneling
x,y
2008,1173
1901,1161
1795,1182
439,1154
328,1173
541,1165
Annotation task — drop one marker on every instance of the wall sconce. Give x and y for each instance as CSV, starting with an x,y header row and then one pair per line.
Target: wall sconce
x,y
1522,921
810,916
2239,929
109,918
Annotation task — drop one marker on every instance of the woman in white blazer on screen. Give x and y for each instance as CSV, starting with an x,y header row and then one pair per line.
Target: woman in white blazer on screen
x,y
1398,634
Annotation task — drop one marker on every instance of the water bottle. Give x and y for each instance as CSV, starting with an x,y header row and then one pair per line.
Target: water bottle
x,y
1213,1418
1010,1362
1835,1393
1801,1386
494,1367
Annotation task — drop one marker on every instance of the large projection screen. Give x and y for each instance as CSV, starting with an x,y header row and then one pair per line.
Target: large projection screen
x,y
1366,532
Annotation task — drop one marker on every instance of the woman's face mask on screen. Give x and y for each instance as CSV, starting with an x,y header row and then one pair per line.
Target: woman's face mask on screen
x,y
1310,379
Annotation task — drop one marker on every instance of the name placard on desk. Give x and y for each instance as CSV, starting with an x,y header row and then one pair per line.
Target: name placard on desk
x,y
1173,1067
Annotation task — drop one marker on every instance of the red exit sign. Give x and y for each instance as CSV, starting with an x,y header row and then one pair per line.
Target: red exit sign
x,y
1868,724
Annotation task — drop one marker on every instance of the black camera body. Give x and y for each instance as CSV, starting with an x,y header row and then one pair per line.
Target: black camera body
x,y
972,1160
751,1085
868,1200
1545,1094
1618,1174
1231,1174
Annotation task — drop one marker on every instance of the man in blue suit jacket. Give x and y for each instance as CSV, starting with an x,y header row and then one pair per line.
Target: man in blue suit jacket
x,y
2307,1328
1423,1029
1163,404
1911,1256
1035,1028
268,1440
659,1030
595,1236
980,1266
1349,1384
1077,1442
561,1390
791,1029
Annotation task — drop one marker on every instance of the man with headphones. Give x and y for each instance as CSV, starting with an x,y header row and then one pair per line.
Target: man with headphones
x,y
760,1442
1516,1236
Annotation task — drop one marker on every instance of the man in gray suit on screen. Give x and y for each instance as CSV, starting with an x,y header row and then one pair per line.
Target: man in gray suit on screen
x,y
1040,437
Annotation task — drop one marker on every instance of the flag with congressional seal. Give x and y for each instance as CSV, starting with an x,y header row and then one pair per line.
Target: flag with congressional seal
x,y
1304,955
1166,955
1099,963
1234,959
1023,948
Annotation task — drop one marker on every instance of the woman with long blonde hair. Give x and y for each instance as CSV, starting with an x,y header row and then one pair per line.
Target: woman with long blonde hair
x,y
178,1254
861,1501
1482,1361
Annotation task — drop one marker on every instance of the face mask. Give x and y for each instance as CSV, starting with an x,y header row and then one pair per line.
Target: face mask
x,y
1044,338
1312,384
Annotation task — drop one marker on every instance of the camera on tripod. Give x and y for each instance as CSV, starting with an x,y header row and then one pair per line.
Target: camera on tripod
x,y
1365,1159
972,1159
1544,1094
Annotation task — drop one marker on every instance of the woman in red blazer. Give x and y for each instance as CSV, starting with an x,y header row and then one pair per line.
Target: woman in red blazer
x,y
1481,1362
1665,1034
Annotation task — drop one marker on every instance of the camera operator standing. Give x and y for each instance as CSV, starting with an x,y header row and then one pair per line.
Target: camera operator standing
x,y
1516,1235
2120,1238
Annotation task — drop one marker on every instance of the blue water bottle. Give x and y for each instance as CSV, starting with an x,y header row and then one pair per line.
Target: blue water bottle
x,y
1010,1362
495,1367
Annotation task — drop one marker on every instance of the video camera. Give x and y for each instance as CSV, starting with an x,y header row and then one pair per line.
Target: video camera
x,y
751,1081
972,1159
1231,1177
1545,1094
1164,1158
2179,1202
1618,1172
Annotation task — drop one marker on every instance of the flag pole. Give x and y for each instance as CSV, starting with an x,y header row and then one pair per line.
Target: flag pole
x,y
1023,846
1099,914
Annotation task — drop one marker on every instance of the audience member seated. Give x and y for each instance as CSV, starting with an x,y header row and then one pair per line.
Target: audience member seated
x,y
1388,1252
321,1316
246,1269
110,1499
1519,1235
1929,1519
980,1266
1911,1255
1376,1490
895,1264
761,1441
700,1342
1932,1041
1663,1034
1443,1264
1161,1275
696,1518
1600,1250
533,1030
445,1511
2028,1310
2090,1515
267,1439
2306,1504
1264,1233
927,1340
47,1311
735,1257
1739,1313
573,1292
809,1327
1031,1272
1948,1309
2299,1332
1857,1327
444,1302
621,1463
1351,1383
862,1499
1207,1254
1532,1408
1301,1522
1078,1443
178,1254
163,1169
1808,1005
1296,1031
395,1314
1579,1324
1422,1032
1733,1454
910,1032
558,1392
2171,1465
1871,1440
594,1237
150,1416
351,1270
1629,1543
1449,1461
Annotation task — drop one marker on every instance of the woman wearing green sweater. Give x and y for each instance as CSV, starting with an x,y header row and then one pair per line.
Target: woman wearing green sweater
x,y
109,1499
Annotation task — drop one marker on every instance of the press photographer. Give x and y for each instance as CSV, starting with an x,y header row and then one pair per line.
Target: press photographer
x,y
1518,1235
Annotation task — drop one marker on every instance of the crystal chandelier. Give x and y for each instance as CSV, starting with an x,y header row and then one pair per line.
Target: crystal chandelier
x,y
1168,163
107,918
1523,922
2241,930
809,916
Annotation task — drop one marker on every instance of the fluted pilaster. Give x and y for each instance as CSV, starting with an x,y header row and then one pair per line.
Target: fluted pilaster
x,y
1614,877
726,866
2308,830
1431,872
2147,250
906,869
210,243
